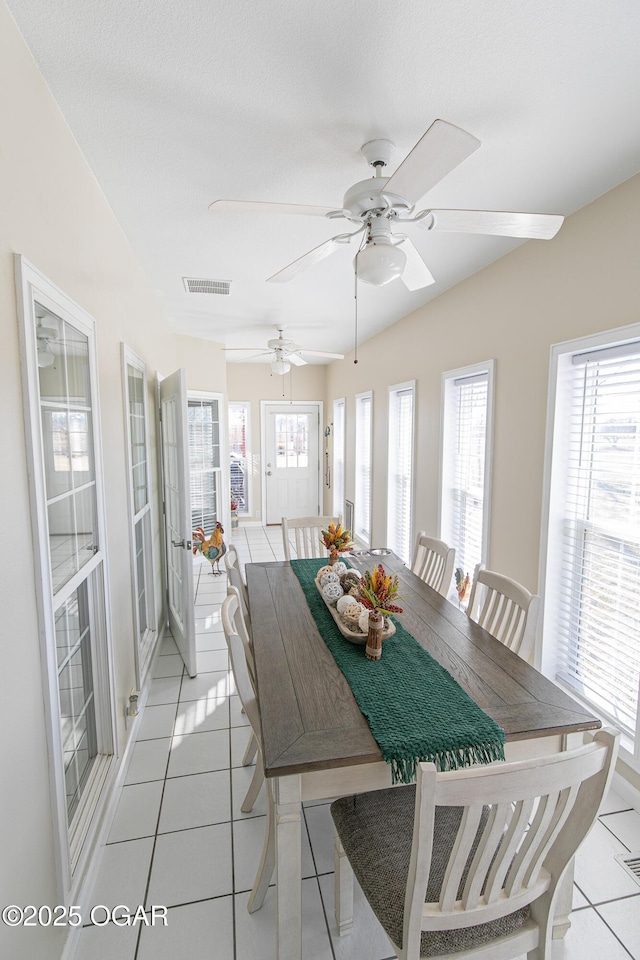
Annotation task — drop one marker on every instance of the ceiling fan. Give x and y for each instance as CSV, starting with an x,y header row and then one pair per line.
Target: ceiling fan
x,y
284,353
379,204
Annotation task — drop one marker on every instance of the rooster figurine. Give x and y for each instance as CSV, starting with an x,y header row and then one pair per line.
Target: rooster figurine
x,y
213,548
463,584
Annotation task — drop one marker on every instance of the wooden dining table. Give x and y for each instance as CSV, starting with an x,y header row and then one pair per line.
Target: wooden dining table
x,y
316,744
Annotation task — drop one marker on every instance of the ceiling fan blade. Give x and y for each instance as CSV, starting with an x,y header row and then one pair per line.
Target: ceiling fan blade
x,y
321,353
295,359
254,356
416,273
314,256
536,226
436,154
259,206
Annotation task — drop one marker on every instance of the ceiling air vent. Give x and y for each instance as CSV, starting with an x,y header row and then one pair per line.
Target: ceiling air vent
x,y
192,285
631,863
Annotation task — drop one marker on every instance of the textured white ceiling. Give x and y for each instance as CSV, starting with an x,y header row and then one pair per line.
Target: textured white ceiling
x,y
178,104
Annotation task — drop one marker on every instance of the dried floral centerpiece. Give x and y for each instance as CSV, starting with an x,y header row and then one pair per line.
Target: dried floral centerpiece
x,y
337,540
379,589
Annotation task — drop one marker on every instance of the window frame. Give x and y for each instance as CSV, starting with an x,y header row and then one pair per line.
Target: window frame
x,y
448,380
145,516
339,454
72,846
552,499
246,406
394,392
360,398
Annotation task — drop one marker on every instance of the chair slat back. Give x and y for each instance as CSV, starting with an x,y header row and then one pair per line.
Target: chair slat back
x,y
505,609
233,624
232,566
306,532
433,561
520,825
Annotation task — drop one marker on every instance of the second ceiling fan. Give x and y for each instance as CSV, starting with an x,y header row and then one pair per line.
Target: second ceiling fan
x,y
380,203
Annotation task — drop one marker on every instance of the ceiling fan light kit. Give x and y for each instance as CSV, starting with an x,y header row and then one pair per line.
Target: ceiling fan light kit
x,y
380,261
280,367
378,203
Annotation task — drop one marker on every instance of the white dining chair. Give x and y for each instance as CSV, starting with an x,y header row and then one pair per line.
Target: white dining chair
x,y
246,692
467,864
235,578
233,624
306,534
505,609
433,561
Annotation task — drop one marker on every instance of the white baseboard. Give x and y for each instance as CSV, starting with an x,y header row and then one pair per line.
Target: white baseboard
x,y
626,790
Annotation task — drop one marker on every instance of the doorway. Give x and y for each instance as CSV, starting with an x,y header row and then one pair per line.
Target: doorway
x,y
291,460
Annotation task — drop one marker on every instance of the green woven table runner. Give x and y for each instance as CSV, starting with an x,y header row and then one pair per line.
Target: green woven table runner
x,y
414,707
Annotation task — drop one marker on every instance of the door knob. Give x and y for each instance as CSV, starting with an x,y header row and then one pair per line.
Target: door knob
x,y
178,543
268,473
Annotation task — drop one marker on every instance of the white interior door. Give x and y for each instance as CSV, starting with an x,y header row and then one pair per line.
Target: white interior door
x,y
177,517
291,461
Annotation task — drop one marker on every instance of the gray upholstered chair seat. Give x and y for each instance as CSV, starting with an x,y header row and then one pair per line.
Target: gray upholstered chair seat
x,y
376,831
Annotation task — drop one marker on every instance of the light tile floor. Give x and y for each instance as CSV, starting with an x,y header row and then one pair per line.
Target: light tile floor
x,y
180,840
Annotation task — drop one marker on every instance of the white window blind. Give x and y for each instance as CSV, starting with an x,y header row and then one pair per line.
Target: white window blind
x,y
400,470
464,480
594,544
363,468
338,457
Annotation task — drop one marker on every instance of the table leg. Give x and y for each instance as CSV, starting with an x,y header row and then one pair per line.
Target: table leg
x,y
288,816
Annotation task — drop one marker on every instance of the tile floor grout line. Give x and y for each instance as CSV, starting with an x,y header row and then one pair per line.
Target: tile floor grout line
x,y
612,931
155,838
609,830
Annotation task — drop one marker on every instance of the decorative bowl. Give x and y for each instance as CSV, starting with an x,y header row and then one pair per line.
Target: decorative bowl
x,y
354,636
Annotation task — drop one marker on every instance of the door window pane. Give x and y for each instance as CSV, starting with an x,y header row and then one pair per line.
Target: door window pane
x,y
292,440
76,695
137,437
76,347
63,549
239,455
204,462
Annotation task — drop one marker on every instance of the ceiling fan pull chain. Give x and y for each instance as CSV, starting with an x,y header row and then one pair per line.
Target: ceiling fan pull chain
x,y
355,295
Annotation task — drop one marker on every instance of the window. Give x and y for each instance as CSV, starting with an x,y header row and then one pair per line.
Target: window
x,y
363,467
205,471
592,568
338,457
68,532
239,447
400,469
467,404
136,417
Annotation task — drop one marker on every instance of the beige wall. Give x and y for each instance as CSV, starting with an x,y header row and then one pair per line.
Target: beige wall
x,y
253,382
53,212
585,280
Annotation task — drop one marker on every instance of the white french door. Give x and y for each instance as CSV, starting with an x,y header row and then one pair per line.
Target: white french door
x,y
291,460
177,515
68,528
